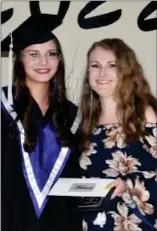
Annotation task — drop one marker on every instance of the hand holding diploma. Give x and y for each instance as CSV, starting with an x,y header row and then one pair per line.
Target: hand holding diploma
x,y
119,186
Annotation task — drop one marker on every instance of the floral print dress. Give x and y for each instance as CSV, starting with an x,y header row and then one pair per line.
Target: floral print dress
x,y
136,163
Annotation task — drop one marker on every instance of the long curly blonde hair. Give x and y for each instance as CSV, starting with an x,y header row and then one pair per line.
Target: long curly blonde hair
x,y
132,94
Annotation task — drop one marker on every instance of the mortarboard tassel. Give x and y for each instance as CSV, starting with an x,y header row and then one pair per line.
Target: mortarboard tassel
x,y
10,71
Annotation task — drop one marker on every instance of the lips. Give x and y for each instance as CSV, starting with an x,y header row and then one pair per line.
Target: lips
x,y
42,71
103,81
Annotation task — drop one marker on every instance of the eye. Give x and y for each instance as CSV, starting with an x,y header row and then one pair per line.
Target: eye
x,y
53,54
33,54
94,65
112,65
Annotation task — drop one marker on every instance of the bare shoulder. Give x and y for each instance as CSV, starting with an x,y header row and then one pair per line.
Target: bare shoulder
x,y
150,115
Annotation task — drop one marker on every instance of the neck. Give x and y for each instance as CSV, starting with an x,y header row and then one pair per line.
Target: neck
x,y
108,111
39,92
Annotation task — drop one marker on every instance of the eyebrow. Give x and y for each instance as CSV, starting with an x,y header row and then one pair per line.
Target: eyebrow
x,y
39,50
110,61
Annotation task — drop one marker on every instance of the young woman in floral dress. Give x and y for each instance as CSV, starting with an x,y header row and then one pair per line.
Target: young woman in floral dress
x,y
119,137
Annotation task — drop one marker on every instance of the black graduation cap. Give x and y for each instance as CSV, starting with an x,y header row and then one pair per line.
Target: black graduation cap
x,y
36,29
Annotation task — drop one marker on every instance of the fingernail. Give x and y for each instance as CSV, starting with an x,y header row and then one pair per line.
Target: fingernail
x,y
107,187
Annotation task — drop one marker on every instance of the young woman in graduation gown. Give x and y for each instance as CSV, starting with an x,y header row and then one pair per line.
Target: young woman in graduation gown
x,y
37,140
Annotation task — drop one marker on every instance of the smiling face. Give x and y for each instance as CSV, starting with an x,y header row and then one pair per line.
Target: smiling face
x,y
40,62
102,73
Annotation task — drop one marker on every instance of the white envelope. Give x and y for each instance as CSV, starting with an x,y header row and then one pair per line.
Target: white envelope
x,y
81,187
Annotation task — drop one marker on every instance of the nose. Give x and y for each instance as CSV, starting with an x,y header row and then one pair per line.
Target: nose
x,y
103,72
43,60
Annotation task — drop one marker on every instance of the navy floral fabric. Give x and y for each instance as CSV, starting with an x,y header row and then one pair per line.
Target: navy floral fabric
x,y
136,163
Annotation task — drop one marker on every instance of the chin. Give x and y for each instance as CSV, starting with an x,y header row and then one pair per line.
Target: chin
x,y
43,81
106,94
40,80
43,78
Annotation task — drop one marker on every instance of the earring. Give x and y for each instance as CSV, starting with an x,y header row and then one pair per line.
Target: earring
x,y
91,107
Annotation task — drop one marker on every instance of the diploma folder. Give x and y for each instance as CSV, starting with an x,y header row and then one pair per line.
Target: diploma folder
x,y
81,187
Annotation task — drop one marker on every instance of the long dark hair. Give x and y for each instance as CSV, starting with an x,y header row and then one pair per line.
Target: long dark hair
x,y
57,102
132,94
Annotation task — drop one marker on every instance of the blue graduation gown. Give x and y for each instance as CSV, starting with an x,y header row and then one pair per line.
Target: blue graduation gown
x,y
18,210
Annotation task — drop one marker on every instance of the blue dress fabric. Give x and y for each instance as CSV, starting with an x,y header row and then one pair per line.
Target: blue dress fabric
x,y
109,156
